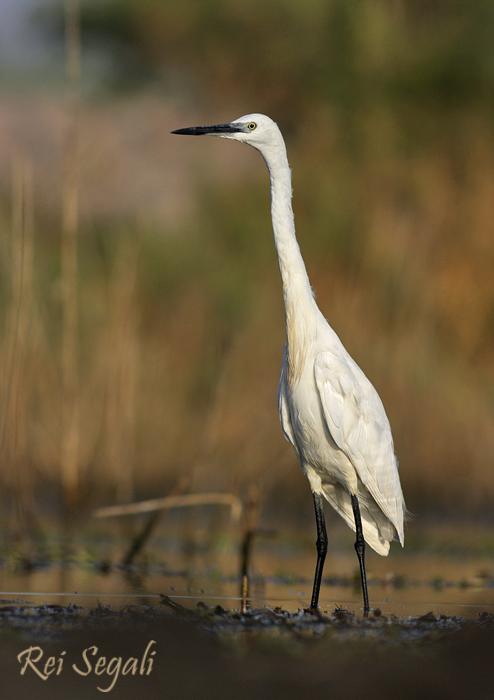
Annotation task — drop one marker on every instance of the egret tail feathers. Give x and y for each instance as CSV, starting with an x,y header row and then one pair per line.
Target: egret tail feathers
x,y
378,530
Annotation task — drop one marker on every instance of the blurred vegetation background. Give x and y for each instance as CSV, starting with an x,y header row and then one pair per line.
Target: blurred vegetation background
x,y
140,301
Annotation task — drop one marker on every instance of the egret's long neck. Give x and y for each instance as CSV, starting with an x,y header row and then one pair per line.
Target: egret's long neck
x,y
298,297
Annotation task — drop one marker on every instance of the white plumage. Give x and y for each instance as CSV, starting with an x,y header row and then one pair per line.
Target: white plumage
x,y
329,411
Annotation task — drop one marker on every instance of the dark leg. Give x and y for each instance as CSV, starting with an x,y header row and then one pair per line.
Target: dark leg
x,y
322,548
360,549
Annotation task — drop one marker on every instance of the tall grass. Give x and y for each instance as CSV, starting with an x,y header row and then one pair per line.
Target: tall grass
x,y
180,335
169,307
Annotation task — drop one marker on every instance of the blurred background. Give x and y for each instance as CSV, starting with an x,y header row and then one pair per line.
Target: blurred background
x,y
141,310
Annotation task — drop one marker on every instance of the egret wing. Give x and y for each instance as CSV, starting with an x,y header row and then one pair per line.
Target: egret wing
x,y
357,422
285,420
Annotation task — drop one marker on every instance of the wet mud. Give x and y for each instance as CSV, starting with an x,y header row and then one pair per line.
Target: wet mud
x,y
169,651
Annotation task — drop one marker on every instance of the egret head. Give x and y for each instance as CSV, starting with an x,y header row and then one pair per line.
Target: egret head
x,y
255,129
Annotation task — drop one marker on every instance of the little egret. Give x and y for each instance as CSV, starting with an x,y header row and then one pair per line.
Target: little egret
x,y
329,410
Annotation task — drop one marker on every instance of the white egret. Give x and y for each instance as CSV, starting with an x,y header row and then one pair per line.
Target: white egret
x,y
329,410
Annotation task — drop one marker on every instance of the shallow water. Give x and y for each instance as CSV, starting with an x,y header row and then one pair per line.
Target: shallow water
x,y
449,580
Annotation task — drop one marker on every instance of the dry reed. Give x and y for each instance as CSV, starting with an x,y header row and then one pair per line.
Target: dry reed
x,y
16,380
69,458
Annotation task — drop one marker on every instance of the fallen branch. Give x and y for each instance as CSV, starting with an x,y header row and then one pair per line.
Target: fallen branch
x,y
191,499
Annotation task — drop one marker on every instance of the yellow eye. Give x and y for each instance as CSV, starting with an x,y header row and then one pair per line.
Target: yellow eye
x,y
251,126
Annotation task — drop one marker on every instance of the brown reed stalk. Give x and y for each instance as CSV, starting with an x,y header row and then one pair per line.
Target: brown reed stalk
x,y
16,385
69,462
123,354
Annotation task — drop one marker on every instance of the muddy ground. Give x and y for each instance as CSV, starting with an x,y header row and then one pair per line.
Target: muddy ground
x,y
166,651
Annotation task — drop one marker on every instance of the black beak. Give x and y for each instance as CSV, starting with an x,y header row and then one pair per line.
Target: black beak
x,y
214,130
